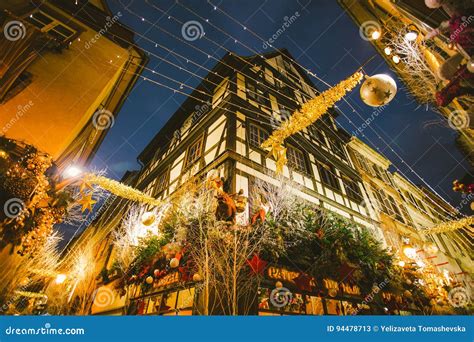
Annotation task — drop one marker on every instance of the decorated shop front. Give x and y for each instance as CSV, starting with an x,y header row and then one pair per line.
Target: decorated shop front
x,y
287,292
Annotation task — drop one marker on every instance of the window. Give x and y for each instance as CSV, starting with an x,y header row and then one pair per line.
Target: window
x,y
318,134
256,93
338,148
296,159
52,26
352,189
328,176
257,135
194,152
161,182
395,209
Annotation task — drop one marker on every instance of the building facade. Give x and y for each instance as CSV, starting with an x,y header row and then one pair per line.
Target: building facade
x,y
393,20
67,68
221,127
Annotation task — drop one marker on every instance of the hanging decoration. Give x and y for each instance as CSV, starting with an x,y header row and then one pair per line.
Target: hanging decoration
x,y
120,189
378,90
302,118
444,227
461,187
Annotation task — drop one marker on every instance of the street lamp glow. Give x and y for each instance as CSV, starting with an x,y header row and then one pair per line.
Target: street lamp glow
x,y
60,278
387,51
396,59
376,34
409,251
401,263
72,171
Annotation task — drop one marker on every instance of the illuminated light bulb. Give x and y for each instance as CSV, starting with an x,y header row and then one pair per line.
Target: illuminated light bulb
x,y
396,59
409,251
72,171
401,263
411,36
387,51
60,278
376,34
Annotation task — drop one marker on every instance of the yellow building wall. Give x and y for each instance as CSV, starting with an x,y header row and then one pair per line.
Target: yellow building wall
x,y
66,89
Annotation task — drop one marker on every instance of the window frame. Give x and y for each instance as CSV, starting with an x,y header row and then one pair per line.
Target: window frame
x,y
296,166
330,171
353,190
260,129
187,162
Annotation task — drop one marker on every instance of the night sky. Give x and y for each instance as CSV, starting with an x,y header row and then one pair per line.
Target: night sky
x,y
323,38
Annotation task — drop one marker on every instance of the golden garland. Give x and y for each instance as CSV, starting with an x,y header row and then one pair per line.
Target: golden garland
x,y
444,227
309,113
120,189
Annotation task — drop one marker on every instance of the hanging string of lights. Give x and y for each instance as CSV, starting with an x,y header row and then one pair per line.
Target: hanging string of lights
x,y
142,19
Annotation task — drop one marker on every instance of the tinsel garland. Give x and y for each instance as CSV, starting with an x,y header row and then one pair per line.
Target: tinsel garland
x,y
309,113
444,227
120,189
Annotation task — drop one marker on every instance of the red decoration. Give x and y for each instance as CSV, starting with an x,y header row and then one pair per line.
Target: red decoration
x,y
455,88
257,265
346,272
303,282
260,214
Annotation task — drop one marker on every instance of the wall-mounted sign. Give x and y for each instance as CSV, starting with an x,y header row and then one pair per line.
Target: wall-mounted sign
x,y
279,273
168,279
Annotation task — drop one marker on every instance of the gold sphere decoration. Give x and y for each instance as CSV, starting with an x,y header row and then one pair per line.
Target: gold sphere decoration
x,y
278,284
149,280
174,262
197,277
148,218
378,90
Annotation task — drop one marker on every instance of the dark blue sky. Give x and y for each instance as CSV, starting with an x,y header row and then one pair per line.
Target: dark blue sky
x,y
323,39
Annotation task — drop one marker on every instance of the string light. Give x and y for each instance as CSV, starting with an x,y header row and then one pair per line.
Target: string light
x,y
450,226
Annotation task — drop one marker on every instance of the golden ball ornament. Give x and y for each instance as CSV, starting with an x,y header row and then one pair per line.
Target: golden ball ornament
x,y
378,90
197,277
470,65
174,262
278,284
148,218
149,280
156,272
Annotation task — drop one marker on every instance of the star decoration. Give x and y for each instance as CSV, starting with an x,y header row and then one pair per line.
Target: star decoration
x,y
85,184
303,282
86,201
257,265
346,272
387,94
374,89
